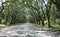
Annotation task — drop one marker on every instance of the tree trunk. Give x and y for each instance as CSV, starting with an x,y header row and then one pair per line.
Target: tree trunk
x,y
43,23
49,21
39,22
14,20
48,7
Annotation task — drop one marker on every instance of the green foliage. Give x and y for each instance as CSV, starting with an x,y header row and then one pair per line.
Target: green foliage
x,y
12,12
34,11
31,19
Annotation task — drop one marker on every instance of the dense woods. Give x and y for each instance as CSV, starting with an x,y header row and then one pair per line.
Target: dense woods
x,y
40,12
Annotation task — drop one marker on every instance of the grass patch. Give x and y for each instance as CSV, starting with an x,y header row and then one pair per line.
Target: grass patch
x,y
37,25
53,26
2,25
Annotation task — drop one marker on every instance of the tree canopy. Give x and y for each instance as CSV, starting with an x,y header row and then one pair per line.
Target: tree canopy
x,y
35,11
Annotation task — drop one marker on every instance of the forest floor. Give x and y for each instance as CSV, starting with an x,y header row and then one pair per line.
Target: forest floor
x,y
28,30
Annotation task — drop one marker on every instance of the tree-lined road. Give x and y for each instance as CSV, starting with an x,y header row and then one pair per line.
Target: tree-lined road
x,y
28,30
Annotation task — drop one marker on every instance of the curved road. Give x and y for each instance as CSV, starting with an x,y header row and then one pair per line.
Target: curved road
x,y
28,30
